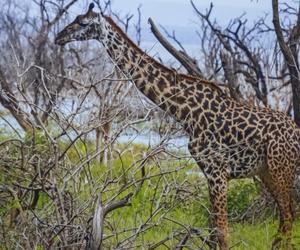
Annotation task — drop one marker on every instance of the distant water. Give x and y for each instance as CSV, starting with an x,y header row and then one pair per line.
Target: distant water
x,y
153,139
148,137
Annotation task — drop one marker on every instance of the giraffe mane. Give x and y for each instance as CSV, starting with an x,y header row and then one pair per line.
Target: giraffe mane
x,y
158,64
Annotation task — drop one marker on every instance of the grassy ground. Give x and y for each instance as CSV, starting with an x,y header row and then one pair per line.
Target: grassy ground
x,y
170,213
243,235
258,236
171,200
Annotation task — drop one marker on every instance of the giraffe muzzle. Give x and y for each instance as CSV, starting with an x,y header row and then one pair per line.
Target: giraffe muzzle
x,y
59,40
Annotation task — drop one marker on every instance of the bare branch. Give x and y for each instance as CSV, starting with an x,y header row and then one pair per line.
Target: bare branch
x,y
183,58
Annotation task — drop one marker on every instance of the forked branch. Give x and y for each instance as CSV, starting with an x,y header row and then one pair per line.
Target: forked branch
x,y
187,62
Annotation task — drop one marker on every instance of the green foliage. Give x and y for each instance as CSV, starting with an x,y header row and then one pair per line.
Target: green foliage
x,y
259,236
39,247
241,195
37,143
163,205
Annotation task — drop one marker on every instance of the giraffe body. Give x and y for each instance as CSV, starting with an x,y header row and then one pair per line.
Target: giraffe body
x,y
227,139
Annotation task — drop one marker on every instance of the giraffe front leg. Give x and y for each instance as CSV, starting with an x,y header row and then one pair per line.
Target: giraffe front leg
x,y
218,187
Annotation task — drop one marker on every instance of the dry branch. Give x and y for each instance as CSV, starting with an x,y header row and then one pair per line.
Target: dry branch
x,y
99,216
187,62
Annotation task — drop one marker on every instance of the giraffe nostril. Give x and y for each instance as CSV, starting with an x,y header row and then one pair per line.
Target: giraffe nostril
x,y
59,39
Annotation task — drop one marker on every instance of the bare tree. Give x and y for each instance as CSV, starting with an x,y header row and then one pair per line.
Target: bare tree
x,y
235,48
67,179
30,61
289,40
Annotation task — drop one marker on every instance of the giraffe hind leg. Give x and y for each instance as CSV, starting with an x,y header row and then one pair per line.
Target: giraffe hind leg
x,y
294,205
279,185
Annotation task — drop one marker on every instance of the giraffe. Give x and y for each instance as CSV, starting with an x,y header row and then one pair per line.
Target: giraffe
x,y
227,139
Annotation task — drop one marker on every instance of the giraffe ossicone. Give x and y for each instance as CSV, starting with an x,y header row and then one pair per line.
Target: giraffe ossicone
x,y
91,6
227,139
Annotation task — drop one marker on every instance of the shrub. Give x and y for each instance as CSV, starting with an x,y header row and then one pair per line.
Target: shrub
x,y
241,195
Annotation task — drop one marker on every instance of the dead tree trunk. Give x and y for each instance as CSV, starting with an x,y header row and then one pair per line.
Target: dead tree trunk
x,y
290,50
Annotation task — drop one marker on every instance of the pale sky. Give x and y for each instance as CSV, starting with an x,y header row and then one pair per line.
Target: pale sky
x,y
180,12
178,15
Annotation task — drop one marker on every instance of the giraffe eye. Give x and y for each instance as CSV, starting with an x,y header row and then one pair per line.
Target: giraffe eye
x,y
83,24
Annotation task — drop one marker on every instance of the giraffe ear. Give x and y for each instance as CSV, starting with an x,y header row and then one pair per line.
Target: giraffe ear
x,y
91,6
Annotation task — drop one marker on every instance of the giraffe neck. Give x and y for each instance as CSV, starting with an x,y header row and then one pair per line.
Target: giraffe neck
x,y
173,92
147,74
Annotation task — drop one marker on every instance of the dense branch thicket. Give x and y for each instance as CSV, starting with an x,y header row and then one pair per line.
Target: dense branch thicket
x,y
72,176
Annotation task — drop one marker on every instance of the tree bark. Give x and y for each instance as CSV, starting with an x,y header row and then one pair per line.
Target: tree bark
x,y
9,101
290,51
187,62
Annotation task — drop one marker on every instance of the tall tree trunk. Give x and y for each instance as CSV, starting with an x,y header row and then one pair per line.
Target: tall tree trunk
x,y
290,50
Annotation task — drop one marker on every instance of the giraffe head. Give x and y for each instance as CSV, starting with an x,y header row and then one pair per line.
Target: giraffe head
x,y
84,27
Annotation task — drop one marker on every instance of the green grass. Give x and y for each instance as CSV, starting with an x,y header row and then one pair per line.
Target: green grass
x,y
259,236
158,204
243,236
